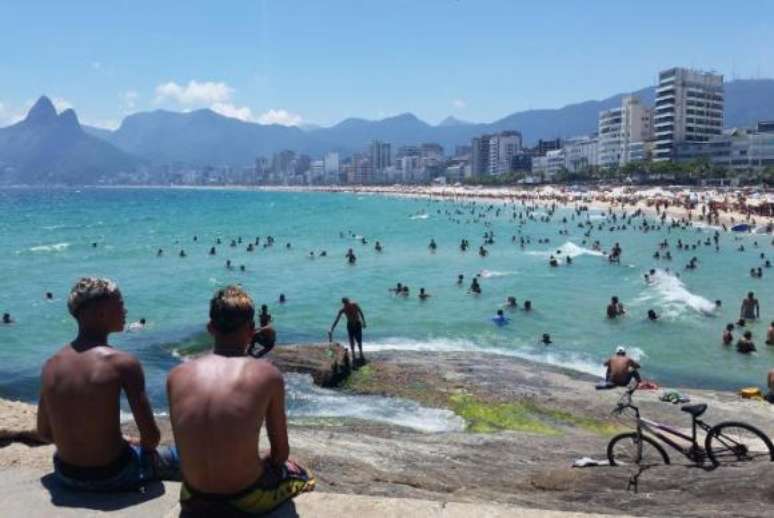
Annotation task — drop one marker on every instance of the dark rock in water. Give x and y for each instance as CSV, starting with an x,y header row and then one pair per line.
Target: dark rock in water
x,y
328,364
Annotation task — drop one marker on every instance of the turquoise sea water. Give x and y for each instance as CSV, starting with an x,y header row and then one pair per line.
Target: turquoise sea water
x,y
46,241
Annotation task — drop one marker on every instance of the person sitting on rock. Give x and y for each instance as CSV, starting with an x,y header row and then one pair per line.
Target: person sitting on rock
x,y
621,369
218,404
79,407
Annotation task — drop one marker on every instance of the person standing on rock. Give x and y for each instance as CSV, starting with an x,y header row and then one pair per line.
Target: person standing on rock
x,y
79,407
355,325
218,404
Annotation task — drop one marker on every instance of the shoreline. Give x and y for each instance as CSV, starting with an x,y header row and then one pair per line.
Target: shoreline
x,y
599,198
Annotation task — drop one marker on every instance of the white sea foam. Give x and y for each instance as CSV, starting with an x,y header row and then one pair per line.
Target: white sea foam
x,y
488,274
305,399
567,360
569,249
669,293
420,216
56,247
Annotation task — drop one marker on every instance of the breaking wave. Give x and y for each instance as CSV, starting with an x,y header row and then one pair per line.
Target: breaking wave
x,y
669,293
569,249
305,399
56,247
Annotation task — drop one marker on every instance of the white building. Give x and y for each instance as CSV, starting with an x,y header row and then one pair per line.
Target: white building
x,y
502,148
331,161
623,131
735,149
581,153
689,108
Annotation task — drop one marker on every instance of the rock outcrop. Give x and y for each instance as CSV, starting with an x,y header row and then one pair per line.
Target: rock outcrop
x,y
328,364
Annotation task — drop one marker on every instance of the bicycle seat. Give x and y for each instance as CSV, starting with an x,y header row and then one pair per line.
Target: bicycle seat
x,y
694,410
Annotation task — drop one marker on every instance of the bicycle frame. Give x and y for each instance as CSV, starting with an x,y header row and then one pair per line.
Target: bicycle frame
x,y
663,432
653,428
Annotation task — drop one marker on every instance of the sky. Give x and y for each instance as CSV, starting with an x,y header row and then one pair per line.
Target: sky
x,y
318,62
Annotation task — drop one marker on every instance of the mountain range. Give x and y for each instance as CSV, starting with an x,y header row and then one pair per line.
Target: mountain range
x,y
48,147
51,148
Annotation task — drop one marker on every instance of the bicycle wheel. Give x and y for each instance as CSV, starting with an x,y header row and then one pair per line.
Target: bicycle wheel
x,y
737,442
622,450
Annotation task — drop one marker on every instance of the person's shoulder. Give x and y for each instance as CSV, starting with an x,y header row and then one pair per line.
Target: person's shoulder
x,y
263,371
121,360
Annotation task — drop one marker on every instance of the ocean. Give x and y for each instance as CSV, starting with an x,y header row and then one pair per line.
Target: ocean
x,y
47,241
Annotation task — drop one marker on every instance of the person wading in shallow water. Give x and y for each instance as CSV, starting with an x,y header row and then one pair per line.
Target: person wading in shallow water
x,y
355,325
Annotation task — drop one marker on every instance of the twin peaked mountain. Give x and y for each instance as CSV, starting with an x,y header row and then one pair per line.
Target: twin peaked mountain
x,y
50,148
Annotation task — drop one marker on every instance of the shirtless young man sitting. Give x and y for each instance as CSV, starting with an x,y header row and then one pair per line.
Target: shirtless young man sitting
x,y
218,404
79,402
621,369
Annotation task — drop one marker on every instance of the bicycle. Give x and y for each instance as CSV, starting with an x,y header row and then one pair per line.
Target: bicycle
x,y
724,441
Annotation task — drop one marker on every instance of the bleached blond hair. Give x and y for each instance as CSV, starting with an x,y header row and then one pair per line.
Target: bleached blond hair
x,y
89,290
231,307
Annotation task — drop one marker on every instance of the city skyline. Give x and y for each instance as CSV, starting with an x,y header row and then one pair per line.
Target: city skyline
x,y
316,64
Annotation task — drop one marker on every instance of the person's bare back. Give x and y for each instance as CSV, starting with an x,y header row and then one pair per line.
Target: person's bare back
x,y
80,394
218,405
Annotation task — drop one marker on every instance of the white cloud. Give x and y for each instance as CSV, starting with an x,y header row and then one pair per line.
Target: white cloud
x,y
282,117
109,124
129,99
459,103
243,113
61,104
207,92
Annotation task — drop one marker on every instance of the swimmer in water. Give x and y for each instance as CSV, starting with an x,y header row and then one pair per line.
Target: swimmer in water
x,y
49,295
615,308
7,320
652,315
212,251
432,246
397,289
378,246
500,319
546,339
528,305
475,287
182,253
423,295
350,255
460,279
745,344
137,326
160,253
510,302
264,336
405,291
282,298
728,335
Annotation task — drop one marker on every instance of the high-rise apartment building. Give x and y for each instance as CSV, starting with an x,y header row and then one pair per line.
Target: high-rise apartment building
x,y
623,130
502,148
689,108
479,155
380,156
493,154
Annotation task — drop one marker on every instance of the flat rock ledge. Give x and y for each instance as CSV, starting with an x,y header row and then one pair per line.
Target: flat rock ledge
x,y
328,364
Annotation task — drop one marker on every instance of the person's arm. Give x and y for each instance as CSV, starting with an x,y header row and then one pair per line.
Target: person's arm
x,y
757,310
336,322
276,422
44,426
362,316
133,383
606,364
634,364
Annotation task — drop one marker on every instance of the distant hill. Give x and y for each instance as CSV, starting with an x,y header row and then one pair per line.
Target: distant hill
x,y
46,148
204,137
